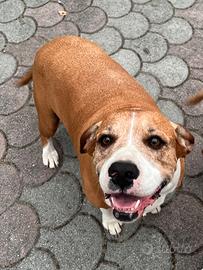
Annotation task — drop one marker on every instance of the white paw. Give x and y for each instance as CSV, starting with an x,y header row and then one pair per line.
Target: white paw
x,y
110,223
156,210
50,156
113,227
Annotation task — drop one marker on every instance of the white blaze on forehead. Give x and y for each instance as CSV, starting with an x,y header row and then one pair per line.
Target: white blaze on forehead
x,y
130,134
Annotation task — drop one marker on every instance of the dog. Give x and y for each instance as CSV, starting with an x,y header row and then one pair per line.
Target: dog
x,y
131,156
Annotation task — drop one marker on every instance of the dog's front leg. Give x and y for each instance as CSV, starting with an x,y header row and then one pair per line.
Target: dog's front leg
x,y
109,222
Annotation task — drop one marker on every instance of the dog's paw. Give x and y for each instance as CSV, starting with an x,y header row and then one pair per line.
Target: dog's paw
x,y
113,227
156,210
50,156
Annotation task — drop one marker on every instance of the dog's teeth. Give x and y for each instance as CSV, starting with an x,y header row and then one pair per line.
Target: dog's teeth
x,y
137,204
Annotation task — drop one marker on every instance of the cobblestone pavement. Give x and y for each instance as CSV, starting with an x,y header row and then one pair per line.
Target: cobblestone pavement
x,y
45,221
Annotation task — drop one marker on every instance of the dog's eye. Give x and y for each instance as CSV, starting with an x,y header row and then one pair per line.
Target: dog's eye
x,y
155,142
106,140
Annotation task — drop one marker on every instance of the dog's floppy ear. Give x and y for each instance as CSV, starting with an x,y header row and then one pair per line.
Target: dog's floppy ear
x,y
88,139
184,140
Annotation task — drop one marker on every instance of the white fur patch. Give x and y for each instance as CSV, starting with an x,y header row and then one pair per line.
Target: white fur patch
x,y
156,206
130,134
49,155
109,222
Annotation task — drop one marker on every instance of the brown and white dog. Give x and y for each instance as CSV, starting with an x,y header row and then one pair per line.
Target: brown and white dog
x,y
131,156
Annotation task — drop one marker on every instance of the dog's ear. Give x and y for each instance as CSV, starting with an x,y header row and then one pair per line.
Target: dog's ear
x,y
184,140
88,139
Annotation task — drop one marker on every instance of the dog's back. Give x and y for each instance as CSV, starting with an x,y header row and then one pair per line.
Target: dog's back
x,y
76,79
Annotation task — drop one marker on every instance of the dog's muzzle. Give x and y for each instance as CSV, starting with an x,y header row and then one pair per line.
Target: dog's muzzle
x,y
128,208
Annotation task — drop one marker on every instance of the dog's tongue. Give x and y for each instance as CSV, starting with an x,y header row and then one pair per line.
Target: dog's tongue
x,y
123,201
129,203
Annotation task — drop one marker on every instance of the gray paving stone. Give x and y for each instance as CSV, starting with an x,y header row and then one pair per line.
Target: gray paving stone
x,y
147,249
128,230
194,164
182,4
2,41
176,30
107,266
76,6
90,20
64,140
10,186
25,51
157,11
194,185
186,214
11,10
192,51
150,84
8,66
18,233
35,3
141,1
151,47
133,25
171,70
128,60
19,30
191,262
11,97
71,165
77,240
193,14
180,94
61,29
29,160
171,110
37,260
196,73
47,15
3,145
56,201
108,38
194,123
114,8
21,128
88,208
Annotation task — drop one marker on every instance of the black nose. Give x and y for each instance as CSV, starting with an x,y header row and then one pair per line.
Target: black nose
x,y
123,173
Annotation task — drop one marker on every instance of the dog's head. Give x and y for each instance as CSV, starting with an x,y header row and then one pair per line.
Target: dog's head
x,y
135,156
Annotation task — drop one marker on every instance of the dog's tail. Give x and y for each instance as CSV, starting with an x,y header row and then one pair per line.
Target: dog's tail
x,y
25,78
195,99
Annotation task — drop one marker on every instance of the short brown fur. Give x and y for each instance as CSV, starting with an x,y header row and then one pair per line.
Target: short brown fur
x,y
77,83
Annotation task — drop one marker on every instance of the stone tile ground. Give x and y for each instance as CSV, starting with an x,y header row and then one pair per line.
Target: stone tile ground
x,y
45,222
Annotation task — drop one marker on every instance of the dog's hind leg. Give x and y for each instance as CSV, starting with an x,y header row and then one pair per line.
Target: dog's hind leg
x,y
48,123
47,128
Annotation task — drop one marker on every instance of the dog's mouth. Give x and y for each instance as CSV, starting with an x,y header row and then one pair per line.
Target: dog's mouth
x,y
128,207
